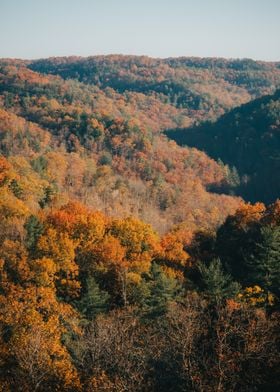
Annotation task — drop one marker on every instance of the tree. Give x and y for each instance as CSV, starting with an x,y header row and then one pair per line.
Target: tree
x,y
5,167
236,239
47,197
94,301
59,247
34,228
264,263
163,290
215,283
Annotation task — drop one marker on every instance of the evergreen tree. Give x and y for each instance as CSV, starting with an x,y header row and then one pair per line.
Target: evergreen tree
x,y
34,228
94,301
264,263
215,283
163,289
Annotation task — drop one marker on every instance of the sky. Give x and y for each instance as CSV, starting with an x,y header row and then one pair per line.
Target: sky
x,y
158,28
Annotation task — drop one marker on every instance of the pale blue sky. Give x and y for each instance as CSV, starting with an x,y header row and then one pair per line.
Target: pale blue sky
x,y
158,28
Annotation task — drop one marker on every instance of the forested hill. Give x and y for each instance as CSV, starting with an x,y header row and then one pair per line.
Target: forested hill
x,y
91,129
68,140
199,87
247,138
120,267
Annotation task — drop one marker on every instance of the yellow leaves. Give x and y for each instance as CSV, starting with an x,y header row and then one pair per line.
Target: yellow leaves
x,y
173,257
271,299
53,104
139,240
11,206
98,126
56,167
104,171
173,272
91,229
58,246
255,295
133,278
136,236
99,245
2,262
44,270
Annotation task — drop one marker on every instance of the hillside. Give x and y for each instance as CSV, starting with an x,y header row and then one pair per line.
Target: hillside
x,y
198,87
106,150
100,121
247,138
126,263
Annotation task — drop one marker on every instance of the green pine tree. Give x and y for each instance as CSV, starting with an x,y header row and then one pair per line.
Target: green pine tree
x,y
163,290
215,283
264,263
94,301
34,228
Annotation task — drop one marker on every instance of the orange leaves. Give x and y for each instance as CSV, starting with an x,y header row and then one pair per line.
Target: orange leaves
x,y
173,258
109,251
81,224
117,251
173,249
4,170
248,214
67,216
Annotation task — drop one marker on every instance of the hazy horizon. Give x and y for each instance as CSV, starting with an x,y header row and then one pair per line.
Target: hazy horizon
x,y
34,29
138,55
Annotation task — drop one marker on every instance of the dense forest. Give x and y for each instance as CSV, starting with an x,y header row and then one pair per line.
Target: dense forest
x,y
247,138
197,87
129,262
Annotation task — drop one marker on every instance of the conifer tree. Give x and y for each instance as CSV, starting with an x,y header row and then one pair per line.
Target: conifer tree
x,y
34,229
94,301
215,283
163,289
264,263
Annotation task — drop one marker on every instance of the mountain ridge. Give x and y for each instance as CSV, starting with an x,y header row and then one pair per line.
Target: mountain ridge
x,y
248,138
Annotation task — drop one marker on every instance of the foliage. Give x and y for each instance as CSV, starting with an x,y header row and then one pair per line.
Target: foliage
x,y
247,139
215,283
99,290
